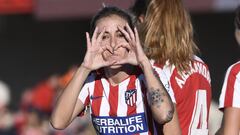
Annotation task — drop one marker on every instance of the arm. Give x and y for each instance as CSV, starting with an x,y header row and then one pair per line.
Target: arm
x,y
173,124
231,121
68,106
158,98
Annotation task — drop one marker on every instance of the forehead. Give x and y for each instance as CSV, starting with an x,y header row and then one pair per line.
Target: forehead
x,y
111,21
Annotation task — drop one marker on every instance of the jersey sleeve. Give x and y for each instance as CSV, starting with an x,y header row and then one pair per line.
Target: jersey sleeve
x,y
84,93
167,85
164,79
230,94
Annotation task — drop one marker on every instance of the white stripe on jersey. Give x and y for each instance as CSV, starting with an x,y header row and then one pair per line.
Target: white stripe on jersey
x,y
122,106
236,95
84,93
91,90
105,108
87,88
140,107
224,89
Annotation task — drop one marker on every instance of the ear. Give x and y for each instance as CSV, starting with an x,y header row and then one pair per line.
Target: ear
x,y
141,18
237,35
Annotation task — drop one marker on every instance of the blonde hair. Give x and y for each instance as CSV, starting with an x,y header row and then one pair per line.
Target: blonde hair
x,y
168,33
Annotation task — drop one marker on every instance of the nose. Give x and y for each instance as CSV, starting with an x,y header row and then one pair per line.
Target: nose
x,y
113,43
109,47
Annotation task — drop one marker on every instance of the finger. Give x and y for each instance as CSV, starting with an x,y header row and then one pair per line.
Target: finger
x,y
104,48
109,63
129,30
125,33
122,45
121,62
99,38
94,34
137,36
110,49
88,40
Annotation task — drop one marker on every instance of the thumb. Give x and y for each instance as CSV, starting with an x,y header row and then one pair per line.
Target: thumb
x,y
109,63
121,62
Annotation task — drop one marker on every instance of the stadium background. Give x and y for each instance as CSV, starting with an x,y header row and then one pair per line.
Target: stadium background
x,y
39,38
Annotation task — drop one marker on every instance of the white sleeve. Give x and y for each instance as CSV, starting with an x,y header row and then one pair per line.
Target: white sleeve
x,y
164,79
236,102
84,93
230,93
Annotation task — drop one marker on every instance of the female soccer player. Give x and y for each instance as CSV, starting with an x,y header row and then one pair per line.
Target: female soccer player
x,y
116,79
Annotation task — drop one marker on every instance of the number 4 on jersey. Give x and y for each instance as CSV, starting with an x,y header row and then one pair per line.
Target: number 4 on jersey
x,y
198,124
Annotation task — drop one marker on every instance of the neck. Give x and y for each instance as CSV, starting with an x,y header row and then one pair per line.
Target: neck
x,y
115,76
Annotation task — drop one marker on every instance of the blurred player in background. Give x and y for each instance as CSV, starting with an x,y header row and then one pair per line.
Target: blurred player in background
x,y
229,101
168,40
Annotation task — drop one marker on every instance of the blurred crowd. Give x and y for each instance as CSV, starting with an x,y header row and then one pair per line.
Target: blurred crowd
x,y
35,107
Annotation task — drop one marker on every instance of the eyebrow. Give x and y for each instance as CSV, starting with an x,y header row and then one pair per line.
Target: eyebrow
x,y
106,32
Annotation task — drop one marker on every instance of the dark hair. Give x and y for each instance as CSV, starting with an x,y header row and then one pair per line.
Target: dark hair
x,y
108,11
237,18
139,7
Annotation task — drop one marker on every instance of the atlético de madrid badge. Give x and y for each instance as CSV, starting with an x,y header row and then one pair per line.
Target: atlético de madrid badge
x,y
131,97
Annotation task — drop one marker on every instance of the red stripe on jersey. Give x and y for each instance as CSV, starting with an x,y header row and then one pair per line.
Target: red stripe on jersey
x,y
131,85
230,85
113,100
87,101
158,65
96,101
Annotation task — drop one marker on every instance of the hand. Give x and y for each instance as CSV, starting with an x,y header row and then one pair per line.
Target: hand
x,y
136,54
93,59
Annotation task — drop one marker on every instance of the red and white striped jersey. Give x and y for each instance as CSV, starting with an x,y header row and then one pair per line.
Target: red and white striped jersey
x,y
120,109
230,95
192,92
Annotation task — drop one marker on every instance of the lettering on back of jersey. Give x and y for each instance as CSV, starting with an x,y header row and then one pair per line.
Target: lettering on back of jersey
x,y
131,97
128,125
196,67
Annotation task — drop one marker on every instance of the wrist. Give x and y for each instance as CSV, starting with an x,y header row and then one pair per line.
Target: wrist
x,y
86,68
144,63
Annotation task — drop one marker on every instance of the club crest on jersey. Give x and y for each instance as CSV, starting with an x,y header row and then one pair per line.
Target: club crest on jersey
x,y
131,97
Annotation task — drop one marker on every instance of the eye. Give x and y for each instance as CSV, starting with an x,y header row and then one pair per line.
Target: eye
x,y
120,35
105,37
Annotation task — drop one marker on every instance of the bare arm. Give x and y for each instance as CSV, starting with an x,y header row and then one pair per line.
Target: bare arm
x,y
68,106
173,124
231,121
158,98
